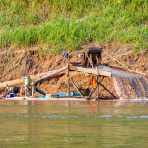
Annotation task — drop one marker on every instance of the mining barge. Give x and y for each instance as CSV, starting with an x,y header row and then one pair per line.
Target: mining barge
x,y
127,84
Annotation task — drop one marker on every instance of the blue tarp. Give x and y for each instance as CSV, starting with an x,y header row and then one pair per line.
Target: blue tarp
x,y
66,94
61,95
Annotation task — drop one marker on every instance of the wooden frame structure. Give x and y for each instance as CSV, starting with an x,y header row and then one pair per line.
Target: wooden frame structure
x,y
97,74
138,82
91,58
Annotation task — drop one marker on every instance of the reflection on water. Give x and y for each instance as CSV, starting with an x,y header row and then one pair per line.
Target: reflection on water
x,y
71,125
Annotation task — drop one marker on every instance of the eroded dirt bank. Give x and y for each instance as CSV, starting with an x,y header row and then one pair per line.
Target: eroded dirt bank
x,y
17,62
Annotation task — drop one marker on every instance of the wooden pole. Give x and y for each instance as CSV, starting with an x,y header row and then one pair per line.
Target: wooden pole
x,y
107,90
98,93
68,77
76,86
35,78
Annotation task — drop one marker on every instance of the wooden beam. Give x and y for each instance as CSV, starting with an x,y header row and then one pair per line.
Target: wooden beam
x,y
40,91
49,74
107,90
95,71
75,85
35,78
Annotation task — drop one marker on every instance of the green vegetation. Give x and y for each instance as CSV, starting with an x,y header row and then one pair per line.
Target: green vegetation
x,y
70,23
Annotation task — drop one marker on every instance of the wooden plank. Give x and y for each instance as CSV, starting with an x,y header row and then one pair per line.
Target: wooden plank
x,y
95,71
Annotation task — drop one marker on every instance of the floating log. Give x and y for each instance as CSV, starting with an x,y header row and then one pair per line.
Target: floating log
x,y
35,78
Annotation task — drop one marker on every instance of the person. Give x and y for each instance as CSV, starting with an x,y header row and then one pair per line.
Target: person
x,y
93,82
12,92
66,54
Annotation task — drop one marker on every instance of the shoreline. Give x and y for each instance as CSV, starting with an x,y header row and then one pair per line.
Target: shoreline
x,y
70,100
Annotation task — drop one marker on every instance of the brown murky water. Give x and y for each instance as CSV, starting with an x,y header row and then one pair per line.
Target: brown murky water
x,y
74,124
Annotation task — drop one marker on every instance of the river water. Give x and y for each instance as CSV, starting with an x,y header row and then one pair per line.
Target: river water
x,y
74,125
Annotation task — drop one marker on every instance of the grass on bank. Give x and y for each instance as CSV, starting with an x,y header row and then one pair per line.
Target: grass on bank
x,y
69,24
